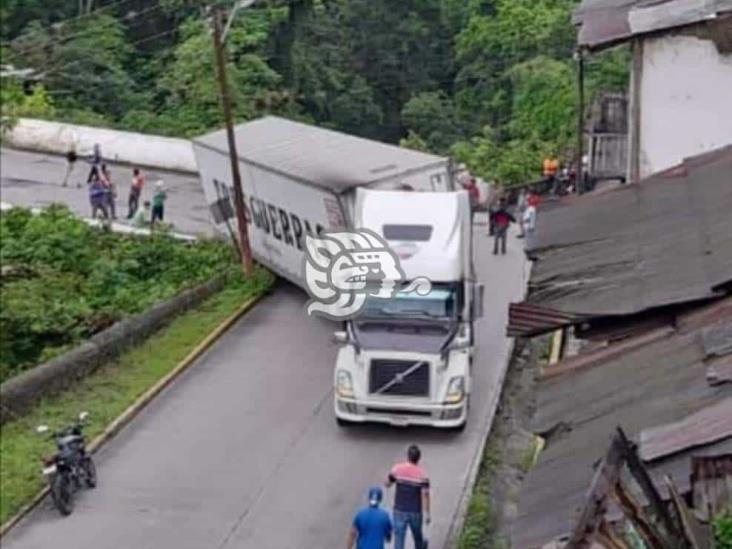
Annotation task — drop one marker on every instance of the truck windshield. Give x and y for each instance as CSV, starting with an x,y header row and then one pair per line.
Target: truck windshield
x,y
441,302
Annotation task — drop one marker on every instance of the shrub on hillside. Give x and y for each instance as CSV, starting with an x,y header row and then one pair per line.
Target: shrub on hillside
x,y
63,280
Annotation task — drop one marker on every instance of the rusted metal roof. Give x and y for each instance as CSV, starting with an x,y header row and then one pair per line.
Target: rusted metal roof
x,y
659,383
525,319
663,242
710,424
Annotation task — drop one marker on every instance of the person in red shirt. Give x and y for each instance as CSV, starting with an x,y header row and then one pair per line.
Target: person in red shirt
x,y
138,182
501,219
473,193
411,500
534,199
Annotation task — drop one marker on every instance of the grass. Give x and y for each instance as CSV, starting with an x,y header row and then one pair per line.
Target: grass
x,y
479,519
109,391
723,530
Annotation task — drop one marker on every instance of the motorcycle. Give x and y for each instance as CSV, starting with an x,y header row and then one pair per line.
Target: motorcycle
x,y
71,466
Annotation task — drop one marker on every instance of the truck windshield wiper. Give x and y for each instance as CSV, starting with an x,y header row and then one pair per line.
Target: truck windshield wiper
x,y
417,312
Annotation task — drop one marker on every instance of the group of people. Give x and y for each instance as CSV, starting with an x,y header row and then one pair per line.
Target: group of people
x,y
103,193
149,213
372,526
501,218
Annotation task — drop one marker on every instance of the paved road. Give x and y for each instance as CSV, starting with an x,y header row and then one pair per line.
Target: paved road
x,y
243,451
34,179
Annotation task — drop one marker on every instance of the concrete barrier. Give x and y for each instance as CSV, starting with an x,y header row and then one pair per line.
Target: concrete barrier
x,y
20,392
152,151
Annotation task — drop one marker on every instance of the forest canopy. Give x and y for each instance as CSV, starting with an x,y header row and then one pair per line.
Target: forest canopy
x,y
491,82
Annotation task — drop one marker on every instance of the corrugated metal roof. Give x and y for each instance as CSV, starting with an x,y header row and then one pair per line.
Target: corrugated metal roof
x,y
326,158
655,384
604,23
525,319
665,241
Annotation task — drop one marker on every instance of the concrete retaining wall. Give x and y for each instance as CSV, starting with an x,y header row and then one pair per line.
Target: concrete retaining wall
x,y
20,392
152,151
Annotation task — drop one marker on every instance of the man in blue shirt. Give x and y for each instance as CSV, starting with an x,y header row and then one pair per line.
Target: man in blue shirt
x,y
371,526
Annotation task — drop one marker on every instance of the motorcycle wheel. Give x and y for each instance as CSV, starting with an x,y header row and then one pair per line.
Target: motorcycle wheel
x,y
61,493
90,472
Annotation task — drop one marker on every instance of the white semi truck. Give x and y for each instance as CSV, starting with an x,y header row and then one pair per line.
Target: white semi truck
x,y
402,361
407,360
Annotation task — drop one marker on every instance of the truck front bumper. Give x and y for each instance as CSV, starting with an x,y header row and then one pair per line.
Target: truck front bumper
x,y
401,414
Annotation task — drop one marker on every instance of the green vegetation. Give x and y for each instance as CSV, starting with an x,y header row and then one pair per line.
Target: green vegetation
x,y
723,531
109,391
479,519
490,81
63,280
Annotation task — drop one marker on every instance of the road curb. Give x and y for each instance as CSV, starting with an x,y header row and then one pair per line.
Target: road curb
x,y
125,417
458,518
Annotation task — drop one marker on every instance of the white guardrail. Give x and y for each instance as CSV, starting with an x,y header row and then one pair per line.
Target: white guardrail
x,y
151,151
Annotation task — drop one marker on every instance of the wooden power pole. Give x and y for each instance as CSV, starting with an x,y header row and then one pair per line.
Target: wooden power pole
x,y
580,182
244,248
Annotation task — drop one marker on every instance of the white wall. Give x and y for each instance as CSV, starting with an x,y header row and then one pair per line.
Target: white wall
x,y
686,100
133,148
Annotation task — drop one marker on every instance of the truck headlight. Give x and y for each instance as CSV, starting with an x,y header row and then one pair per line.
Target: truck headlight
x,y
344,384
455,390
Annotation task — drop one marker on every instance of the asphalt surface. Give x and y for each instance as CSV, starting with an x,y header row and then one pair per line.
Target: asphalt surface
x,y
35,179
242,451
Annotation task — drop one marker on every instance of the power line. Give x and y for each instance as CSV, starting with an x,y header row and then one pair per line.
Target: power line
x,y
67,38
77,17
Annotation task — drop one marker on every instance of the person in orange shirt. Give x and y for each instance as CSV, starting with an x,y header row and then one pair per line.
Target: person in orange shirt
x,y
550,168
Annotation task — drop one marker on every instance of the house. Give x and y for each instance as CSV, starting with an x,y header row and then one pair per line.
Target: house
x,y
681,74
641,276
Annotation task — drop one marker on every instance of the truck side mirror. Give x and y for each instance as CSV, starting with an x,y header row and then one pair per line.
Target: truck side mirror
x,y
478,293
340,337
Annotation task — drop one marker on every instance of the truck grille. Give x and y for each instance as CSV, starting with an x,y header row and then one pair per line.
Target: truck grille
x,y
382,372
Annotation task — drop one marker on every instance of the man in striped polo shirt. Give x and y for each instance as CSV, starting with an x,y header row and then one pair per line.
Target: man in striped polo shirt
x,y
411,500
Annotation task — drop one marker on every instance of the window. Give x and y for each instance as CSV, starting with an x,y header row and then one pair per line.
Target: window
x,y
419,233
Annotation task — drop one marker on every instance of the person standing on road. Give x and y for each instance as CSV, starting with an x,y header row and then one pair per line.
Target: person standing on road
x,y
111,191
158,204
495,199
70,161
473,193
411,500
97,195
96,162
521,206
371,526
501,220
138,182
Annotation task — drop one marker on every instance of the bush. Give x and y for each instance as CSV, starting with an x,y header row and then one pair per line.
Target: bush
x,y
723,531
63,280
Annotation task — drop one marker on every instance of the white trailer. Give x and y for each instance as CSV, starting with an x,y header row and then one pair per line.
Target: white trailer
x,y
300,179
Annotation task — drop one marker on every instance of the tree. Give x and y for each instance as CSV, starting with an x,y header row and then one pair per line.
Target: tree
x,y
83,62
16,103
189,86
431,115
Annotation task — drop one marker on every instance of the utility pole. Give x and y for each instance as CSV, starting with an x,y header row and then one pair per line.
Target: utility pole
x,y
580,120
244,248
